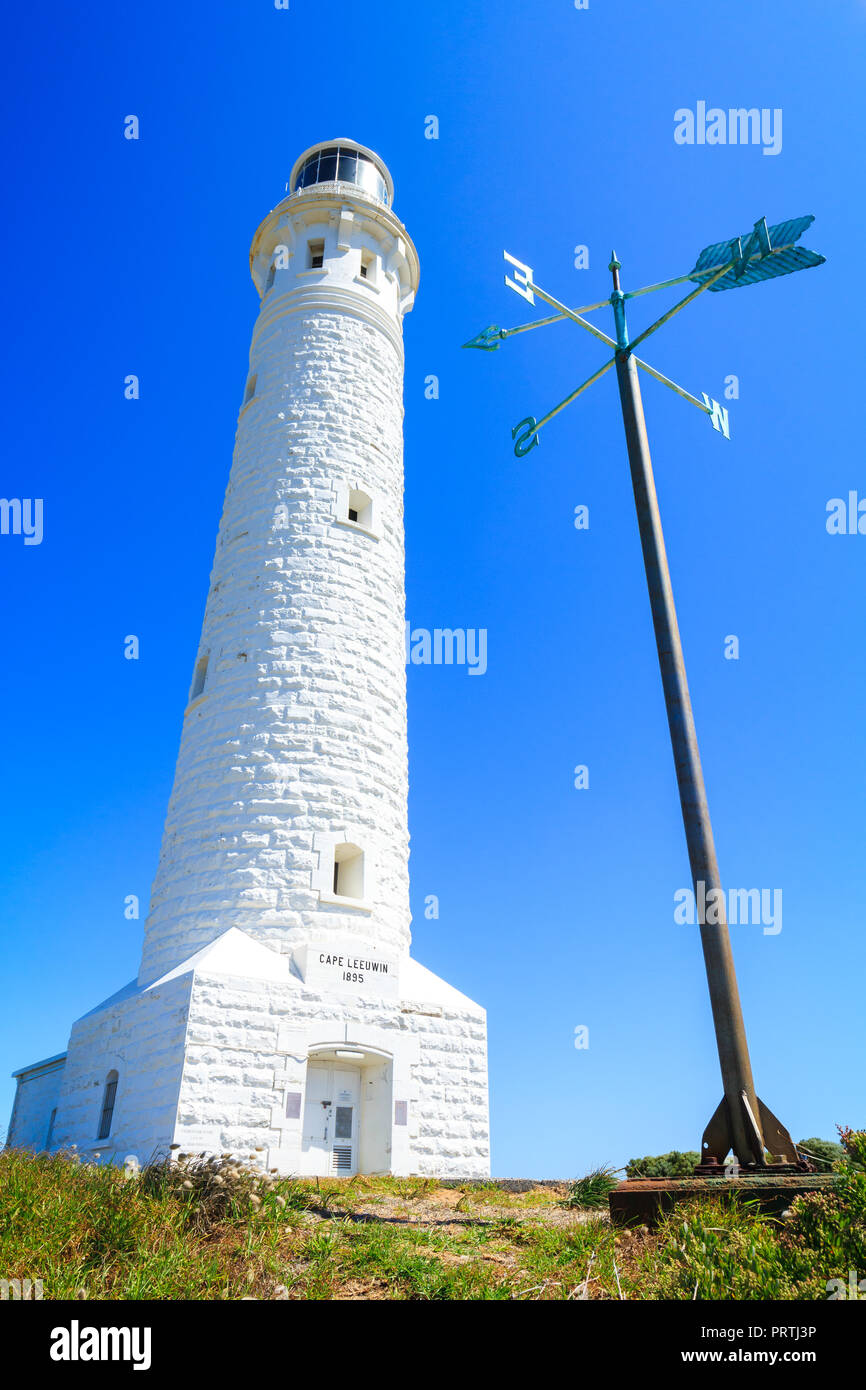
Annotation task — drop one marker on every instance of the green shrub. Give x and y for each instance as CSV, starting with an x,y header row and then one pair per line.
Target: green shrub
x,y
822,1149
854,1144
722,1250
830,1226
672,1165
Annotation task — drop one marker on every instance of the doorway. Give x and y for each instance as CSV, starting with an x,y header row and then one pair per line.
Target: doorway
x,y
332,1119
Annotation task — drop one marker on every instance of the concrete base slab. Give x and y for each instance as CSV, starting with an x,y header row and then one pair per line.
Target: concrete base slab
x,y
644,1201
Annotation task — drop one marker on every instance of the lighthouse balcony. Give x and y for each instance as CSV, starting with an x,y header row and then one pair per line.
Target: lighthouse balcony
x,y
337,188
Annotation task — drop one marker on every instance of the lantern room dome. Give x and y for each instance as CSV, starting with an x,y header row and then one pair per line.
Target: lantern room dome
x,y
343,161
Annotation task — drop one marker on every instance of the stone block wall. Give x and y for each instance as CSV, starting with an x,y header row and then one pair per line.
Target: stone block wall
x,y
140,1035
301,724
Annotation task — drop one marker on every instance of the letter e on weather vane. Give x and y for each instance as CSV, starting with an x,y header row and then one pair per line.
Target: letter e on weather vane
x,y
522,278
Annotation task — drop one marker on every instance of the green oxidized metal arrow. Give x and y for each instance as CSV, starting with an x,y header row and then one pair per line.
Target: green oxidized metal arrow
x,y
765,253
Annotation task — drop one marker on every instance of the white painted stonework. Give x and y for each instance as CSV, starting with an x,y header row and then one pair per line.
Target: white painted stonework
x,y
276,962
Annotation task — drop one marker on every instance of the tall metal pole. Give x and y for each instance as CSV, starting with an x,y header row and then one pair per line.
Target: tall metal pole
x,y
738,1119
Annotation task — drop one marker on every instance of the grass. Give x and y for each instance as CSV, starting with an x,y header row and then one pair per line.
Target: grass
x,y
221,1230
592,1190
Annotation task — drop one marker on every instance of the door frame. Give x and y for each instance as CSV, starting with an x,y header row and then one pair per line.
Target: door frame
x,y
374,1121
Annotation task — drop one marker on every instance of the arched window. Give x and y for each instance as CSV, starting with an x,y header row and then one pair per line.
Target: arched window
x,y
108,1105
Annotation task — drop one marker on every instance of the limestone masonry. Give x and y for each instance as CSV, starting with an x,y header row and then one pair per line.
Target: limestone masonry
x,y
277,1006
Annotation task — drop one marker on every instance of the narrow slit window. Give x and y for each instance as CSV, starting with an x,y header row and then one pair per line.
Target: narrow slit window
x,y
108,1099
368,261
199,676
317,255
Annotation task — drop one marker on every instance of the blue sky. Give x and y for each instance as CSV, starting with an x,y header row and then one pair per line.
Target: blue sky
x,y
555,130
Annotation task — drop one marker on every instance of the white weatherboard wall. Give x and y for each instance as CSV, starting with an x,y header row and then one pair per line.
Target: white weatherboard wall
x,y
293,758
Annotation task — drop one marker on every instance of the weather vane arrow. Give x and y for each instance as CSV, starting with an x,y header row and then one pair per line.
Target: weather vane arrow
x,y
763,254
741,1123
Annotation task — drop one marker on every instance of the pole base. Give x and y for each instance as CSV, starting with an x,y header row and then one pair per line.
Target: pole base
x,y
712,1169
764,1134
646,1201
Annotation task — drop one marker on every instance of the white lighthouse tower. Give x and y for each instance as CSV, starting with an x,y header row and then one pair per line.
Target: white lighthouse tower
x,y
277,1005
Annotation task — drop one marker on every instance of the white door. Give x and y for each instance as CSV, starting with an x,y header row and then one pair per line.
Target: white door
x,y
317,1119
331,1119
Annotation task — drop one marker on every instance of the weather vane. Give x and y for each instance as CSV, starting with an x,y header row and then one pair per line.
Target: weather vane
x,y
741,1123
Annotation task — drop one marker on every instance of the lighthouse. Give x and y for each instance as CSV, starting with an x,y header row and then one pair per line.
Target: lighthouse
x,y
277,1006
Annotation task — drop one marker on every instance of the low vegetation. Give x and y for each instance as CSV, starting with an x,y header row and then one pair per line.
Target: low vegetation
x,y
671,1165
592,1190
221,1229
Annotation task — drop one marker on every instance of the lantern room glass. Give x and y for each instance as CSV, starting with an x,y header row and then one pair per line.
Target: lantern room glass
x,y
343,164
